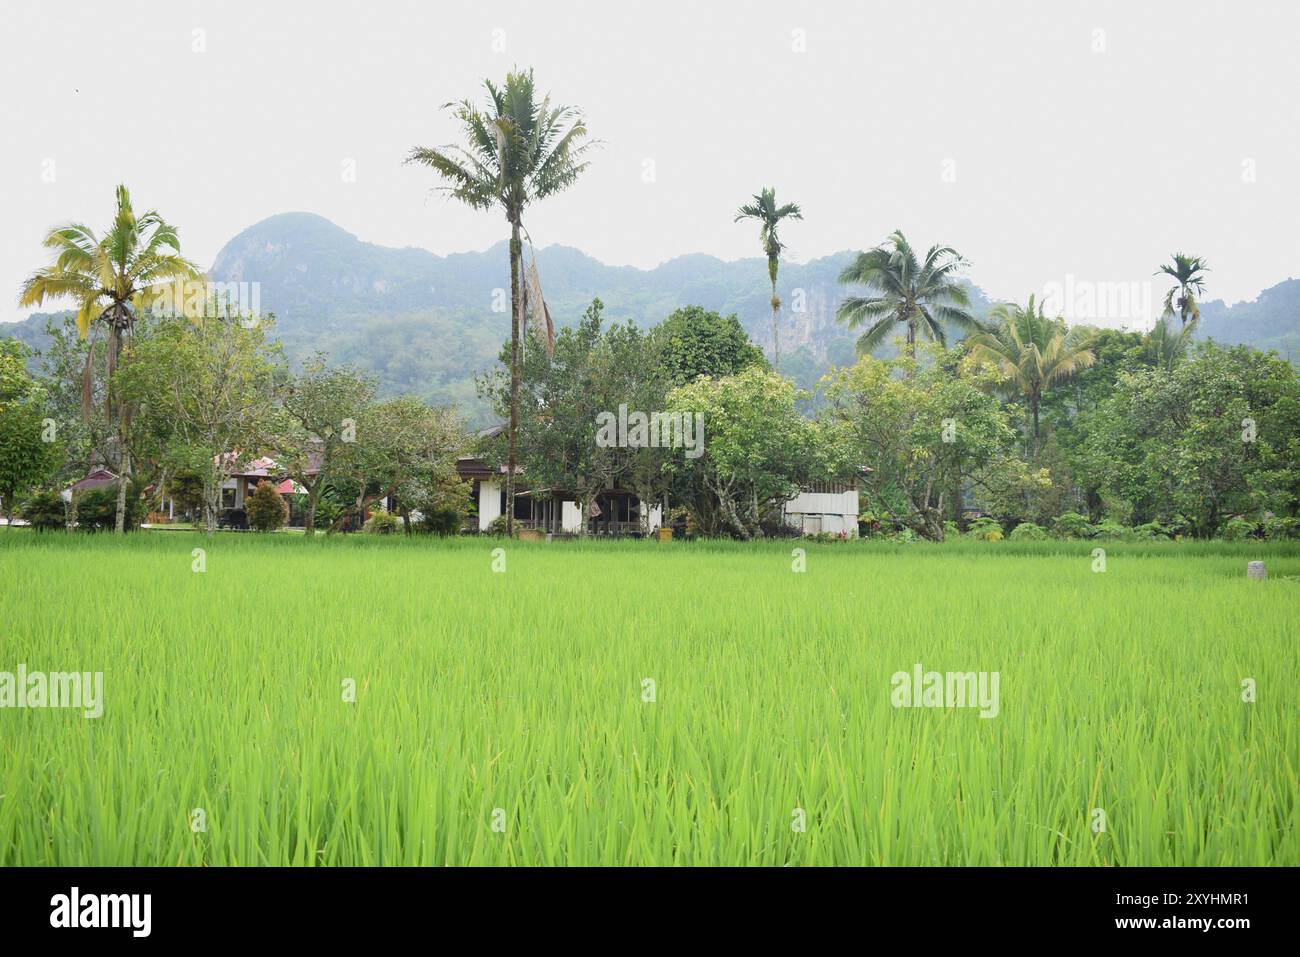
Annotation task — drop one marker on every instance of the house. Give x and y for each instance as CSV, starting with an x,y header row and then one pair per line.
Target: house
x,y
823,507
243,482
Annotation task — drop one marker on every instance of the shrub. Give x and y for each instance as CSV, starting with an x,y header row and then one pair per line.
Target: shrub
x,y
97,509
1028,532
1236,529
44,511
497,526
381,523
1151,531
440,521
1073,525
266,508
1279,528
951,530
1110,530
985,530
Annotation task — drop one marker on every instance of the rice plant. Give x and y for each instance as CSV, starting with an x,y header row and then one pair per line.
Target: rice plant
x,y
400,702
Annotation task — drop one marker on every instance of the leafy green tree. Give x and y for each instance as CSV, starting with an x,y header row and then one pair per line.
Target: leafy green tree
x,y
322,405
518,151
206,393
1217,436
592,370
694,341
758,450
134,266
29,450
769,216
918,431
1033,353
399,445
922,296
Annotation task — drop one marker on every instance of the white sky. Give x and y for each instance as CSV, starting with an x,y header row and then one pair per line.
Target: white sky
x,y
1067,161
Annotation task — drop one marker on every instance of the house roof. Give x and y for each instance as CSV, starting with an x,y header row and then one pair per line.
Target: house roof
x,y
96,479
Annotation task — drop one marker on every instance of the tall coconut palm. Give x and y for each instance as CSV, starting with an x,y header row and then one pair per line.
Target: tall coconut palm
x,y
517,151
920,295
1181,299
1032,351
112,279
769,216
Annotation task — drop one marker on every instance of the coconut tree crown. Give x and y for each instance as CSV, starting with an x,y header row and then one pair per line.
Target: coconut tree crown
x,y
518,150
112,278
1032,352
922,295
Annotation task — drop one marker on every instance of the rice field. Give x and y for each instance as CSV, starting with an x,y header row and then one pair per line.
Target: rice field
x,y
646,703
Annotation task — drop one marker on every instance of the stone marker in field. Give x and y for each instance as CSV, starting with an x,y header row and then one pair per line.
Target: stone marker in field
x,y
1256,571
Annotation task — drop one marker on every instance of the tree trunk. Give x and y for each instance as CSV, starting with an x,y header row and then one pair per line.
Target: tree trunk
x,y
776,333
123,478
211,504
309,514
516,251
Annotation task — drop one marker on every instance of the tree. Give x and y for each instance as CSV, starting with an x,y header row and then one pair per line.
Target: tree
x,y
112,279
769,216
400,445
519,151
758,449
591,372
919,431
921,296
1032,352
206,392
322,406
29,454
1190,283
1167,346
1219,435
693,342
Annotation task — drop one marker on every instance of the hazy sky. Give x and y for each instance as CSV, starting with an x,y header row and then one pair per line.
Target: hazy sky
x,y
1042,140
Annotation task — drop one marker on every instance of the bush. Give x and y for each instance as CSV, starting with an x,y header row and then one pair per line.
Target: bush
x,y
1110,530
951,530
45,512
1028,532
1073,525
1279,528
1151,531
985,530
441,521
1236,529
266,508
97,509
381,523
497,526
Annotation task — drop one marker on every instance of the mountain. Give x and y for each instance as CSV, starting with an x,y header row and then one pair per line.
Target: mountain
x,y
1272,321
426,324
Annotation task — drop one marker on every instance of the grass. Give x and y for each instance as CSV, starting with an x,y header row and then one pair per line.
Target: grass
x,y
523,691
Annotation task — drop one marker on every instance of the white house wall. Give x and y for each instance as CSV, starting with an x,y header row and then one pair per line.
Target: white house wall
x,y
489,503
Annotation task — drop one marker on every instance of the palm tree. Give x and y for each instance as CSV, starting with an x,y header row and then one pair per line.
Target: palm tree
x,y
112,279
1181,298
1032,351
920,296
1169,346
517,151
769,217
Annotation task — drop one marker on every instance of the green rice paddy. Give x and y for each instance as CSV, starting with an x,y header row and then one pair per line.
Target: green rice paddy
x,y
501,717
